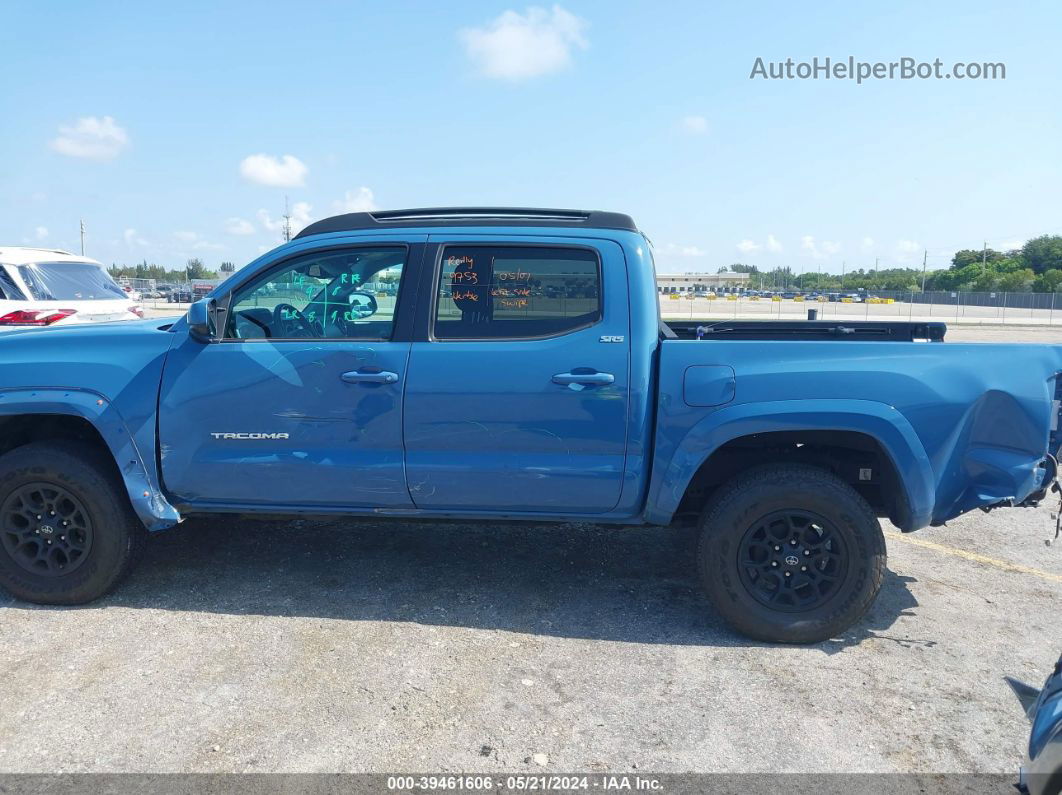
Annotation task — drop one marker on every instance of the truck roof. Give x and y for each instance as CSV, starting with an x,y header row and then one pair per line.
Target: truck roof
x,y
25,255
470,216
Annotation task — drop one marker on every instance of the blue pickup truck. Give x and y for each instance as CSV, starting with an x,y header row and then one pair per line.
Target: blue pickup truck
x,y
511,364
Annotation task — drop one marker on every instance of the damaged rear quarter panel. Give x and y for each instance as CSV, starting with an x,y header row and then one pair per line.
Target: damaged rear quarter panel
x,y
981,414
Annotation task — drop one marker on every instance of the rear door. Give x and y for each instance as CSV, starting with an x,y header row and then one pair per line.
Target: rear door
x,y
517,392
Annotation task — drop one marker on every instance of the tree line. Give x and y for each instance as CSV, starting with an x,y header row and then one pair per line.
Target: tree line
x,y
193,269
1035,267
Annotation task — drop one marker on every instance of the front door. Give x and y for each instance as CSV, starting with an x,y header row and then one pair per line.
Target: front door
x,y
299,403
517,399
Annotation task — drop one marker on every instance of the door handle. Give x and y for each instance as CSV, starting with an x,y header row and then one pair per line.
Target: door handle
x,y
588,378
369,377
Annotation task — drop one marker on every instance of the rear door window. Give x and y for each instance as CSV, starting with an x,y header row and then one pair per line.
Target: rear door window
x,y
516,292
8,289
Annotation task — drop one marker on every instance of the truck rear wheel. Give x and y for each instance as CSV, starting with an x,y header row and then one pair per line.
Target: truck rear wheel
x,y
790,553
67,532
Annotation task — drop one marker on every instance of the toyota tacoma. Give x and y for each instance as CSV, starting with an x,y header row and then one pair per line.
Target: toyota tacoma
x,y
496,364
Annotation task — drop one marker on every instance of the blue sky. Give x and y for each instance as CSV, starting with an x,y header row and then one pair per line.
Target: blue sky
x,y
148,121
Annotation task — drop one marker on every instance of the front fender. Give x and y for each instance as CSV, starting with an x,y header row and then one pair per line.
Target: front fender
x,y
678,462
139,476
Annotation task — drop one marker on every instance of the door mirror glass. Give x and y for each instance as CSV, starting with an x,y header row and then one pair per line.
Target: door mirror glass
x,y
362,305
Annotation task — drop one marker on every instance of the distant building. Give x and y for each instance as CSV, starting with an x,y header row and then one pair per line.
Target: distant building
x,y
701,282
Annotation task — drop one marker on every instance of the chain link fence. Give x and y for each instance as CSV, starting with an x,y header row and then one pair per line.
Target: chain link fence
x,y
953,307
173,296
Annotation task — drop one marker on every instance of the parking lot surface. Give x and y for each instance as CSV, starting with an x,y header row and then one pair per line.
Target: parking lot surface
x,y
340,646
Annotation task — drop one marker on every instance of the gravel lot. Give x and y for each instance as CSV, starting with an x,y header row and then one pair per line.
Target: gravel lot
x,y
325,646
340,646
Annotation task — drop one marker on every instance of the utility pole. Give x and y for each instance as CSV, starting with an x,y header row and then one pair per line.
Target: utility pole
x,y
287,222
843,263
925,256
82,237
984,258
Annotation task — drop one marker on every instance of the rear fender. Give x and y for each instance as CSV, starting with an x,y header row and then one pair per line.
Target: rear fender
x,y
139,475
877,420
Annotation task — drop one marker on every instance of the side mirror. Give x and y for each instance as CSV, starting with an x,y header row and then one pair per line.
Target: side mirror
x,y
201,325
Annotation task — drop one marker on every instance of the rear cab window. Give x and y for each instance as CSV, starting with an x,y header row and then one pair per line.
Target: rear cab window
x,y
69,281
516,292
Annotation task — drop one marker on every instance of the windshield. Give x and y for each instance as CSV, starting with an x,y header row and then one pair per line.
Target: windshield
x,y
69,281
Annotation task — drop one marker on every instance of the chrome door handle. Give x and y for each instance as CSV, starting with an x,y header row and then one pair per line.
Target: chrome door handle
x,y
369,377
586,379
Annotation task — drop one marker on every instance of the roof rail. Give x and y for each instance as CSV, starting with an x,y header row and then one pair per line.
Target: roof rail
x,y
469,216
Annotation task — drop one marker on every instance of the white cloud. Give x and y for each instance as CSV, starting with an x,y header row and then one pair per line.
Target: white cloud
x,y
91,137
748,246
286,171
517,46
132,239
695,125
867,245
300,217
41,232
826,248
356,201
194,240
907,250
675,250
239,226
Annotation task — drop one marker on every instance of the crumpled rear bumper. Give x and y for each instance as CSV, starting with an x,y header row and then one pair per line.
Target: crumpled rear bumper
x,y
1002,454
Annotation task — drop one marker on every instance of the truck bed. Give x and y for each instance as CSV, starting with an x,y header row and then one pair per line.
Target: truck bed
x,y
889,331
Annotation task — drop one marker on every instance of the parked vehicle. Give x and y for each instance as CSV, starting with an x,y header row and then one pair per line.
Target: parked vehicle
x,y
479,394
49,287
180,295
1042,772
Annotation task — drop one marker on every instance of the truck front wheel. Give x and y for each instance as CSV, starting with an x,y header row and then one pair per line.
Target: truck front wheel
x,y
67,532
790,553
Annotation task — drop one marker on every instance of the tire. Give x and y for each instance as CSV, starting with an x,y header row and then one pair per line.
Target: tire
x,y
790,553
71,483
